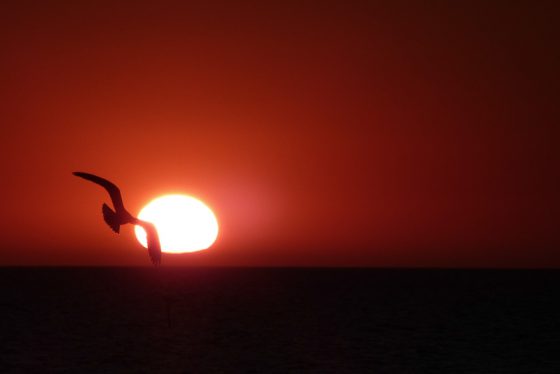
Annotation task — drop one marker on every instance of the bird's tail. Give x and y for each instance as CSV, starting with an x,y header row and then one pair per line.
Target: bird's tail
x,y
111,218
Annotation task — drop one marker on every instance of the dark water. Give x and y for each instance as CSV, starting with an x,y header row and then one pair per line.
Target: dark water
x,y
279,320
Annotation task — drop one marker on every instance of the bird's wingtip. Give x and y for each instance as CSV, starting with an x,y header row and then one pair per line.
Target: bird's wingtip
x,y
82,174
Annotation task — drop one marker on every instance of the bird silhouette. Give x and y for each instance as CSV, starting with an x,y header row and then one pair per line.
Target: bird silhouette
x,y
120,216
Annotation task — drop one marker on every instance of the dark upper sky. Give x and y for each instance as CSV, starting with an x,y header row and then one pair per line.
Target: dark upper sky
x,y
321,133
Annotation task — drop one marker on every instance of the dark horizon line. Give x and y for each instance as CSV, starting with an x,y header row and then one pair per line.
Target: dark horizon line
x,y
280,267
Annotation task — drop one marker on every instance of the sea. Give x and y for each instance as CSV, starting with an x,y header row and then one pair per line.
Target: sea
x,y
279,320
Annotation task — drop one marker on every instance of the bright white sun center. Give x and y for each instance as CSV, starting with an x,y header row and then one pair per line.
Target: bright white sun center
x,y
184,224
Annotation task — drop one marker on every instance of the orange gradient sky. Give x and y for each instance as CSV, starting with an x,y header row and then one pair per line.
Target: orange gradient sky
x,y
320,133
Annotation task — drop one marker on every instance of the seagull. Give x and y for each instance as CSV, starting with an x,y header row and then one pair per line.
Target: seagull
x,y
120,216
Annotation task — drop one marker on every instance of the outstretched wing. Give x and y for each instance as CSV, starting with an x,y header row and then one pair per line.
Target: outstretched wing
x,y
113,190
154,247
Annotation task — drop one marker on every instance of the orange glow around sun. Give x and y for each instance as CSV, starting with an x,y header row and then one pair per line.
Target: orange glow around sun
x,y
184,223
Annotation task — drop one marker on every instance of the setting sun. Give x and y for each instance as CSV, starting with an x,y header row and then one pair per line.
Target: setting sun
x,y
184,223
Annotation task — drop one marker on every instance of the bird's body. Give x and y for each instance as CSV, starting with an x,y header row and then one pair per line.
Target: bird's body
x,y
120,216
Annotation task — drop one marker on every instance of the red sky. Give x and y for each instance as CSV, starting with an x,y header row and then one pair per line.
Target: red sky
x,y
321,133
